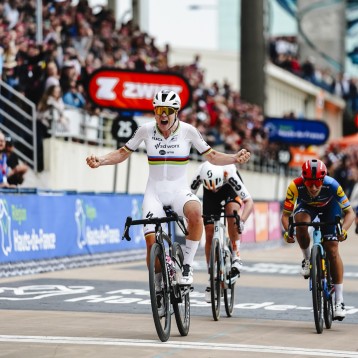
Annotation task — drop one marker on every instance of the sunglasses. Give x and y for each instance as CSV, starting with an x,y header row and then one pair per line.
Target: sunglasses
x,y
167,110
310,182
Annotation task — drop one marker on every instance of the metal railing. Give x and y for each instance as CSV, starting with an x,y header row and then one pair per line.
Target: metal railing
x,y
18,120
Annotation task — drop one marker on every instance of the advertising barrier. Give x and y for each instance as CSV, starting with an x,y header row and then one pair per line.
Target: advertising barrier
x,y
46,226
34,227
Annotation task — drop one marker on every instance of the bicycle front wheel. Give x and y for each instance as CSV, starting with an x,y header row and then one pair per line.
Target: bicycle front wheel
x,y
215,278
317,290
181,304
229,292
328,299
160,300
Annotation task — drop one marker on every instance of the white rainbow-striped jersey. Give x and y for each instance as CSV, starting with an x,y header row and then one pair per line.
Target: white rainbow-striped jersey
x,y
168,158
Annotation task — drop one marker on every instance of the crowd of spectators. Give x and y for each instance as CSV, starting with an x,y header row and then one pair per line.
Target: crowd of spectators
x,y
284,52
78,40
342,164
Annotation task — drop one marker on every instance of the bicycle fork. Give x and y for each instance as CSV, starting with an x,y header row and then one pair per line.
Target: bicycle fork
x,y
323,285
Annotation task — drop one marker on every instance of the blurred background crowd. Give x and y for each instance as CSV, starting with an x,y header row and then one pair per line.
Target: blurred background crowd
x,y
78,40
283,52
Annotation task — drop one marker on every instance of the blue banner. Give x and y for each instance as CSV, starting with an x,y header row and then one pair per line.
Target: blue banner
x,y
296,131
38,226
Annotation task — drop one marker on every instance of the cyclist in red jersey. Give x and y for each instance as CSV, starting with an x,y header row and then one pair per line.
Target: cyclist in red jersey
x,y
315,193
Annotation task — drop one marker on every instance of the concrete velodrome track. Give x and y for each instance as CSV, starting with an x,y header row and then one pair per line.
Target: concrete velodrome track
x,y
104,311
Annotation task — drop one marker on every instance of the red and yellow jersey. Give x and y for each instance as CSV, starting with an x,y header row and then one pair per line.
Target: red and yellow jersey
x,y
297,193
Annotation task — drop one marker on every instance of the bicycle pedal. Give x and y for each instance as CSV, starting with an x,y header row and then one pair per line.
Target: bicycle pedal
x,y
235,273
340,319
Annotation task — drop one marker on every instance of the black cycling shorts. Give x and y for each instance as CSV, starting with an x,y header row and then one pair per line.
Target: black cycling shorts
x,y
214,201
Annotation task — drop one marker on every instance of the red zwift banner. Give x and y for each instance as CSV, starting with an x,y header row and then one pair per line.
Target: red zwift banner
x,y
133,90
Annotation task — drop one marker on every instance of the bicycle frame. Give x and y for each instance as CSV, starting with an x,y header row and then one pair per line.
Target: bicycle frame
x,y
317,241
171,293
319,283
221,280
225,254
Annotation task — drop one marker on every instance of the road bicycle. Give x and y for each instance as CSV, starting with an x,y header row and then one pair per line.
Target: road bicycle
x,y
222,278
320,283
166,257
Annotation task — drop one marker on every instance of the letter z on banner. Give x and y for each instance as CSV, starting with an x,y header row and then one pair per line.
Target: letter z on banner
x,y
133,90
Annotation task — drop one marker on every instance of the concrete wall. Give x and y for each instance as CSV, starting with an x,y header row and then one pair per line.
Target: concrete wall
x,y
285,92
66,169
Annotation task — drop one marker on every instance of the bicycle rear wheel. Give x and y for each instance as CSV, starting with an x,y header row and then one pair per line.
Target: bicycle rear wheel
x,y
229,292
181,304
328,299
160,300
317,290
215,279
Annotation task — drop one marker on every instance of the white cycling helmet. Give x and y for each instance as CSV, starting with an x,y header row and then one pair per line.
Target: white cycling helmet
x,y
212,176
167,98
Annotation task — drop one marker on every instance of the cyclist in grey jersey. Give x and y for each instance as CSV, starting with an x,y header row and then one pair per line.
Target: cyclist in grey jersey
x,y
168,142
222,188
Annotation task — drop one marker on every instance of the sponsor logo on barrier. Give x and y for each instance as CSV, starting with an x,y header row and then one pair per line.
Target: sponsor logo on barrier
x,y
87,235
21,241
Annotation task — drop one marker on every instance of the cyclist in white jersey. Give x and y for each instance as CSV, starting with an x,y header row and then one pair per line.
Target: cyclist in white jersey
x,y
168,141
223,188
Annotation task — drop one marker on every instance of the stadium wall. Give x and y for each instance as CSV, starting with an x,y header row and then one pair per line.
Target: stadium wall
x,y
285,92
66,169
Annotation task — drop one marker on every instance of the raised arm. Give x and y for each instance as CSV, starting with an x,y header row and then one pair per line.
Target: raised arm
x,y
118,156
219,158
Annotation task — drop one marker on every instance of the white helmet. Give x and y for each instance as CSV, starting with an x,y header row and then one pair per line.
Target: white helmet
x,y
212,176
167,98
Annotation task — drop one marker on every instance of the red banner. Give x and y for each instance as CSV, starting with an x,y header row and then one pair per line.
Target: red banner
x,y
133,90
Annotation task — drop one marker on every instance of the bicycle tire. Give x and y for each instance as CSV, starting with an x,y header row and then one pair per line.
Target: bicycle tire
x,y
215,279
181,305
328,300
229,292
317,290
162,321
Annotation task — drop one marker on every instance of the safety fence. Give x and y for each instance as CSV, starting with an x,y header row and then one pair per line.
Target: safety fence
x,y
44,231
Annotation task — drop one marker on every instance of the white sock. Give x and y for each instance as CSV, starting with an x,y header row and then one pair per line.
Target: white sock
x,y
236,254
306,253
190,251
338,288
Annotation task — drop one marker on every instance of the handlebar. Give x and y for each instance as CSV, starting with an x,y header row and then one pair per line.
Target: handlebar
x,y
173,216
235,215
315,224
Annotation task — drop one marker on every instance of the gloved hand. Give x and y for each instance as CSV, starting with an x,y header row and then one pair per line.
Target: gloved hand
x,y
343,236
289,239
242,226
